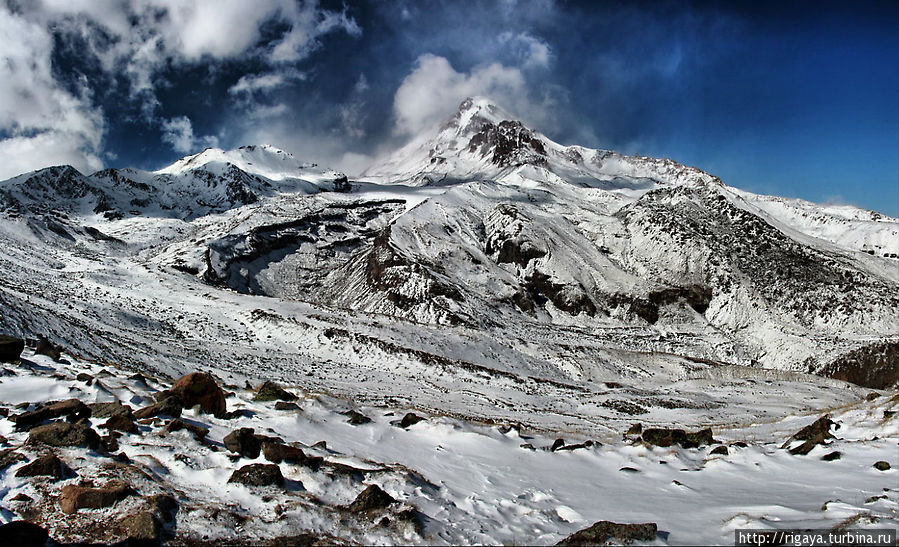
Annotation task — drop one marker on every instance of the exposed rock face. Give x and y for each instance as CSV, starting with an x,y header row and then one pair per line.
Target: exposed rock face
x,y
605,531
46,466
72,498
258,474
108,410
65,434
668,437
371,498
817,433
10,348
200,388
875,366
512,144
270,391
72,409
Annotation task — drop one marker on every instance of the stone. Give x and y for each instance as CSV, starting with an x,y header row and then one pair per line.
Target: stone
x,y
45,347
635,429
270,391
200,388
882,465
814,434
108,410
121,423
85,377
604,531
277,452
164,506
140,527
719,450
21,533
356,418
243,441
72,497
284,405
167,406
177,424
45,466
65,434
409,420
665,437
371,498
832,456
258,474
9,457
557,444
72,409
10,348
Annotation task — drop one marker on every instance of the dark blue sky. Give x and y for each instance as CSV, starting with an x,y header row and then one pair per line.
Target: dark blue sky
x,y
792,100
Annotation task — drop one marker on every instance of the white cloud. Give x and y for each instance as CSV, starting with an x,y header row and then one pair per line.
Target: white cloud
x,y
533,52
434,89
179,133
250,83
45,123
352,112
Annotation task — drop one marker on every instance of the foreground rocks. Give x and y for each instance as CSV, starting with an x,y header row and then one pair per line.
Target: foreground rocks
x,y
72,409
46,466
258,474
65,434
668,437
371,498
20,533
200,388
270,391
604,531
817,433
72,498
10,348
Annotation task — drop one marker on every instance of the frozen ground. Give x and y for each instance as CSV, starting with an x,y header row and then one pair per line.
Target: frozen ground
x,y
468,482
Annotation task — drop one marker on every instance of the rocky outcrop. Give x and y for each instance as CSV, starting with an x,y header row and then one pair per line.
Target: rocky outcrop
x,y
200,388
64,434
874,366
373,497
604,531
71,409
817,433
72,497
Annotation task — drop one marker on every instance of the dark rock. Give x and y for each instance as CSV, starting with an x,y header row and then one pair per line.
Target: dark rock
x,y
168,406
882,466
72,498
277,452
177,424
305,539
140,529
108,410
283,405
23,534
243,441
23,498
121,423
45,347
258,474
720,450
164,506
527,446
109,444
9,457
739,444
10,348
72,409
65,434
270,391
409,420
557,444
667,437
45,466
371,498
831,456
356,418
635,429
817,433
200,388
629,470
604,531
84,377
874,366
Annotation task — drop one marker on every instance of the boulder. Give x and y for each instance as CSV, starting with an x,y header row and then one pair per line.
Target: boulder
x,y
198,431
85,377
882,466
557,444
121,423
832,456
719,450
667,437
270,391
258,474
604,531
9,457
200,388
108,410
164,506
65,434
21,533
45,466
284,405
72,409
169,405
140,528
10,348
45,347
278,452
814,434
243,441
371,498
356,418
409,420
72,497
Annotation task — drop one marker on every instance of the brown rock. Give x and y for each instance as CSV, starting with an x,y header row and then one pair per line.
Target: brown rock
x,y
409,420
141,528
121,423
258,474
72,498
108,410
199,432
72,409
356,418
243,441
64,434
9,457
200,388
46,466
667,437
604,532
277,452
270,391
371,498
45,347
167,406
814,434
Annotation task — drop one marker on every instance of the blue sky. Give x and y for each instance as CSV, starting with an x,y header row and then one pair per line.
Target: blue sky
x,y
798,101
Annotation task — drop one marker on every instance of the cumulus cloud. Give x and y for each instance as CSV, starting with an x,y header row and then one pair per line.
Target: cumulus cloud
x,y
45,123
434,89
179,133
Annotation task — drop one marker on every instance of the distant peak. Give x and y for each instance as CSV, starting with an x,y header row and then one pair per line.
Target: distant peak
x,y
260,159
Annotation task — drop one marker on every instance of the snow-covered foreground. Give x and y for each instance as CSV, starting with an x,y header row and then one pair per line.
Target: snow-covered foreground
x,y
466,482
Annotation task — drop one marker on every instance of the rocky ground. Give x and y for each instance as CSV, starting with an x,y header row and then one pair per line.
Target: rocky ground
x,y
93,453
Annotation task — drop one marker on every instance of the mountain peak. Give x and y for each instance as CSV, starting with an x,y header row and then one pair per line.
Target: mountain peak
x,y
263,159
